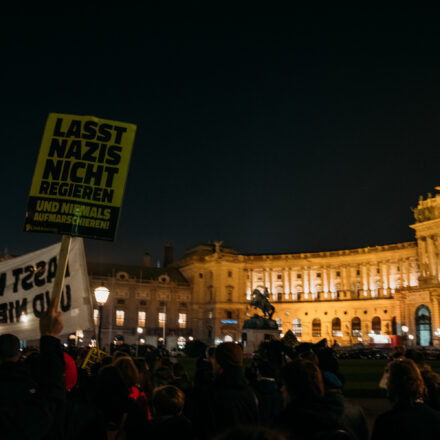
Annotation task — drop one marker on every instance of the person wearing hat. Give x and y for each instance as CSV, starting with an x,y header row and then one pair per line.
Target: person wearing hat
x,y
229,401
28,409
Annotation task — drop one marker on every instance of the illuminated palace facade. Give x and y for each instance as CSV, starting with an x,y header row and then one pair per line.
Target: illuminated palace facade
x,y
346,296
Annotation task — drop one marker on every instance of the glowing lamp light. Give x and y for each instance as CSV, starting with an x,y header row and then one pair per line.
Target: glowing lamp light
x,y
24,318
411,337
405,328
142,341
140,330
191,338
101,295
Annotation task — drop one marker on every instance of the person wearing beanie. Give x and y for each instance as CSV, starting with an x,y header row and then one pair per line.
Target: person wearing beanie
x,y
229,401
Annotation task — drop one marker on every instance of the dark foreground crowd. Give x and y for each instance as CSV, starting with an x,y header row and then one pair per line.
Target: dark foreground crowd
x,y
46,396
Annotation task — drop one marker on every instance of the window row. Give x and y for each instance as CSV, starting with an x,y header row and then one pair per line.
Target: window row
x,y
336,328
142,318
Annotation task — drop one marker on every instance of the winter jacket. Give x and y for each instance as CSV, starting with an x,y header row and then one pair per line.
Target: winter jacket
x,y
30,410
227,403
408,422
321,416
270,401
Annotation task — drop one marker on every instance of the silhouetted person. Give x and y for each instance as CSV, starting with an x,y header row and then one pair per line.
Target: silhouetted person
x,y
229,401
168,421
409,418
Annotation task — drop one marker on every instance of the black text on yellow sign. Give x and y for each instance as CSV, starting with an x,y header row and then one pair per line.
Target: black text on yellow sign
x,y
80,176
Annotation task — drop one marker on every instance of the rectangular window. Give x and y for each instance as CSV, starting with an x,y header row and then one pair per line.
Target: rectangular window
x,y
182,320
229,274
279,277
142,318
162,319
318,275
200,275
121,301
377,270
298,275
120,317
358,272
228,315
96,316
338,274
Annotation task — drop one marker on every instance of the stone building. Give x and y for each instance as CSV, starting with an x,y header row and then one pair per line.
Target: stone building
x,y
145,305
346,296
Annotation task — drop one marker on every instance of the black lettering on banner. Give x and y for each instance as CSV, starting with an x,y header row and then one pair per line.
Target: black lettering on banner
x,y
73,174
52,269
105,133
114,156
91,149
74,129
38,304
119,132
39,274
3,313
74,150
66,299
16,273
2,283
58,147
89,130
25,284
57,130
11,311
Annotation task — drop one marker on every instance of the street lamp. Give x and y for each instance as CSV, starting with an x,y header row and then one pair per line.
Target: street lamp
x,y
140,330
101,297
405,335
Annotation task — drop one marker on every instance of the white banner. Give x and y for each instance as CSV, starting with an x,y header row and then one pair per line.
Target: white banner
x,y
26,286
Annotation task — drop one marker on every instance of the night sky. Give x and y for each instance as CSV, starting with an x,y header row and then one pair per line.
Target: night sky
x,y
273,131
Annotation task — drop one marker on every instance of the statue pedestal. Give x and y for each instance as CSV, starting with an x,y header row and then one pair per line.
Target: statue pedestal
x,y
252,338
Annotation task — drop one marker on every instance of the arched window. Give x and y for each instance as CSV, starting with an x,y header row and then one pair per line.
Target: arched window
x,y
297,327
336,327
423,326
316,328
376,325
356,327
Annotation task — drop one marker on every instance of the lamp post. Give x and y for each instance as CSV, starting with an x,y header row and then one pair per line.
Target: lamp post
x,y
140,330
101,296
405,335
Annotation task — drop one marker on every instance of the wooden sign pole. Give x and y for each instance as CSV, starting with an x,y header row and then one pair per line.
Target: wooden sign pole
x,y
63,257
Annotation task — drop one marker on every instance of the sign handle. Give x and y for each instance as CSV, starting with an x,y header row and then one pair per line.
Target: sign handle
x,y
61,267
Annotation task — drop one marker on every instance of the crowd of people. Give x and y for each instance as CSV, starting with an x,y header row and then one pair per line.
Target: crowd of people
x,y
282,394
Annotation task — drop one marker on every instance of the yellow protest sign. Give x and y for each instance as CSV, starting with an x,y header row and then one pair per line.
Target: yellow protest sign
x,y
80,176
94,356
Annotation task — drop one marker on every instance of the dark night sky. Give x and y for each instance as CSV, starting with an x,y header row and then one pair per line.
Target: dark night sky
x,y
272,131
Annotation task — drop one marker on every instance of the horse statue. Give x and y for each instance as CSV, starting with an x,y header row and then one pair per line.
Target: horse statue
x,y
261,301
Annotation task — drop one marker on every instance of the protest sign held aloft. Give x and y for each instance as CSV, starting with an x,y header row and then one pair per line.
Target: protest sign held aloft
x,y
80,176
25,286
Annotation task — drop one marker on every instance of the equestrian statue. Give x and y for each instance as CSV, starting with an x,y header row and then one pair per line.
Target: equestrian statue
x,y
261,301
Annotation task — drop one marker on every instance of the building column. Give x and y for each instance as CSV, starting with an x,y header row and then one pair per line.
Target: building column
x,y
364,279
431,254
325,282
286,287
306,286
